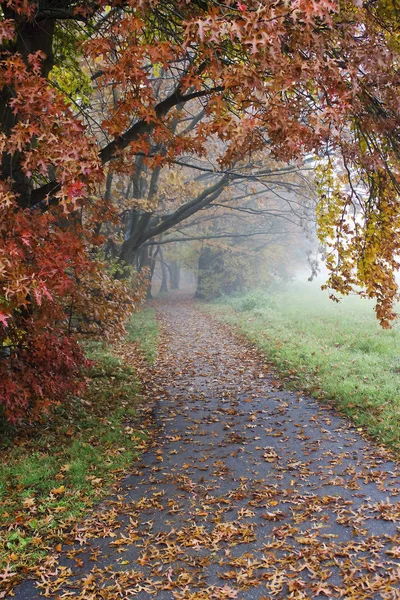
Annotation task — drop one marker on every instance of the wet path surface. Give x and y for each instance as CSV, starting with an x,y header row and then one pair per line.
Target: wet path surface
x,y
251,492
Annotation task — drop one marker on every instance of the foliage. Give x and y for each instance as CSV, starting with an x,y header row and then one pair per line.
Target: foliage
x,y
295,77
333,351
51,291
226,269
48,270
222,270
67,73
50,476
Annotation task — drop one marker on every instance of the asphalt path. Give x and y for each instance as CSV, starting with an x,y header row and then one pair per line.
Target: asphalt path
x,y
249,492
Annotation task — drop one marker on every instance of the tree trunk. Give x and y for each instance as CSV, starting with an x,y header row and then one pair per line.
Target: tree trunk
x,y
203,266
164,274
31,36
146,258
175,274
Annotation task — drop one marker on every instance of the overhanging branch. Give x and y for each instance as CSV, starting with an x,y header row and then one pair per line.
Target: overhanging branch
x,y
213,237
122,141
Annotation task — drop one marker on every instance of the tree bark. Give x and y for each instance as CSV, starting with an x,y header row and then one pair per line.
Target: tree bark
x,y
206,258
175,274
31,36
164,274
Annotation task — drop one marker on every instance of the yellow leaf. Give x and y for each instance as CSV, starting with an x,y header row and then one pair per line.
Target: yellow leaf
x,y
58,491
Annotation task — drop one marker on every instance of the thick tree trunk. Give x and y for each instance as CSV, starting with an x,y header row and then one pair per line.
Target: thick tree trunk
x,y
131,247
31,36
164,274
139,221
146,258
164,279
174,274
205,259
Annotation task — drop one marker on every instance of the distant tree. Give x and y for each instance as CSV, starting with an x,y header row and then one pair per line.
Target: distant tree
x,y
187,191
245,239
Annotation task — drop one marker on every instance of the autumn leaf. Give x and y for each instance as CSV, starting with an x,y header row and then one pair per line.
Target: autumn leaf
x,y
58,491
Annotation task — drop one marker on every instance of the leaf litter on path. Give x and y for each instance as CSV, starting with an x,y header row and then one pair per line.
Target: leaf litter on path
x,y
249,492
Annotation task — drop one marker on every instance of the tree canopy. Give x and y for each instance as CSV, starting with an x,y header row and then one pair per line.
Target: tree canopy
x,y
99,96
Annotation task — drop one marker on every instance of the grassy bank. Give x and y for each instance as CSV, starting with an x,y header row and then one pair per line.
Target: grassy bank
x,y
51,474
334,351
143,330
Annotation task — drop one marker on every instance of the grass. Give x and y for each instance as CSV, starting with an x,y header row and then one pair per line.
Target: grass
x,y
333,351
52,473
143,329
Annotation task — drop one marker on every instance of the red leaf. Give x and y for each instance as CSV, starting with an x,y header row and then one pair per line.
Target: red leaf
x,y
3,319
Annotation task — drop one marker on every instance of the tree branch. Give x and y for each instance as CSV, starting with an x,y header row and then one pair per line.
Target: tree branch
x,y
207,196
162,108
120,142
212,237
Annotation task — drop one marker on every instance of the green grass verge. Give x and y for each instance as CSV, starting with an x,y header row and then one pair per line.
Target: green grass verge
x,y
52,473
143,329
334,351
